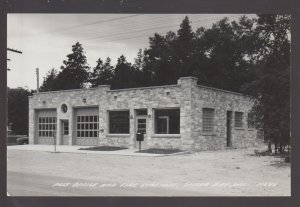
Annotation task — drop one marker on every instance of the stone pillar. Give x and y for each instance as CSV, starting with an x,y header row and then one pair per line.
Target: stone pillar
x,y
31,123
131,127
187,85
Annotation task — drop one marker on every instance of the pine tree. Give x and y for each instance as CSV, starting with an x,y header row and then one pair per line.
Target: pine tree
x,y
75,71
102,73
50,81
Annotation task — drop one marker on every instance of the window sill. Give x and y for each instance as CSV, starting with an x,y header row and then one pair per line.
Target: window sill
x,y
118,135
208,134
239,128
176,136
251,129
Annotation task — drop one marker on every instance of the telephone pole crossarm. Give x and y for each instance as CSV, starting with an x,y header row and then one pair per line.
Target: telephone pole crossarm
x,y
13,50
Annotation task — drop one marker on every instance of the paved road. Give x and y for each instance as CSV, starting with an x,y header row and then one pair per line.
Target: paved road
x,y
25,184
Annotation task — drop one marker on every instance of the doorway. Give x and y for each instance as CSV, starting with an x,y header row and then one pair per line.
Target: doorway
x,y
65,132
141,126
229,129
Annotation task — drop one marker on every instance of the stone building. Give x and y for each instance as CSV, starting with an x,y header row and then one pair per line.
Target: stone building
x,y
184,116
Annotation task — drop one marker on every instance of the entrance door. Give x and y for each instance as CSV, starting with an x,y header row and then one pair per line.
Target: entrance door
x,y
141,127
65,132
229,128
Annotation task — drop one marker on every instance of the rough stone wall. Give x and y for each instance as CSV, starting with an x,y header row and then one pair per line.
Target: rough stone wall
x,y
221,102
150,98
186,95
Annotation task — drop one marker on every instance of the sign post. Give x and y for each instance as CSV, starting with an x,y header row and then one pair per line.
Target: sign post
x,y
54,140
140,138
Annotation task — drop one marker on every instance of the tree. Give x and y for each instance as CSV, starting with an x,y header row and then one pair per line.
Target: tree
x,y
124,74
102,73
271,89
183,47
220,56
50,81
75,71
18,109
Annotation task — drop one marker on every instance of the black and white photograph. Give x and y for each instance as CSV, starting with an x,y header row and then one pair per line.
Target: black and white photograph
x,y
140,104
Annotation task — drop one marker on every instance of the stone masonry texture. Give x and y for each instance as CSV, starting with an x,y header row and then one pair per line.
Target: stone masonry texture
x,y
186,95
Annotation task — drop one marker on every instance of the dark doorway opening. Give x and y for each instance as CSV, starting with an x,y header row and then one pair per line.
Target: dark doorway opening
x,y
229,129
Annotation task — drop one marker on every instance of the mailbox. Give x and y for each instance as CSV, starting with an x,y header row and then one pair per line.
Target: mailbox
x,y
139,136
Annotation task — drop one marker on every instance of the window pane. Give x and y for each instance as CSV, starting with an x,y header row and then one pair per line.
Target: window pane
x,y
167,121
250,120
86,134
78,126
238,119
208,119
82,133
95,134
78,133
119,122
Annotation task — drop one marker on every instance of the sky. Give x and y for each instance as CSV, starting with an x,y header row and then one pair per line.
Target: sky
x,y
46,39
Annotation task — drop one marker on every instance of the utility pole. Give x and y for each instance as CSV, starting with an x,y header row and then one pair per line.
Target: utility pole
x,y
37,80
13,50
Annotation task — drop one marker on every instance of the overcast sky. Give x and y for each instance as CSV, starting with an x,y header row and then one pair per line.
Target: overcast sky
x,y
46,39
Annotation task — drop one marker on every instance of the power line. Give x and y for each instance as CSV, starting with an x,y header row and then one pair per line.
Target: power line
x,y
142,30
97,22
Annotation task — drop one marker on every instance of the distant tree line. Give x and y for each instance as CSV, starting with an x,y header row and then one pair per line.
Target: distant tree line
x,y
250,56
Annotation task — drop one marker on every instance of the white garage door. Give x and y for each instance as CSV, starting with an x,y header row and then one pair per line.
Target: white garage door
x,y
87,126
46,125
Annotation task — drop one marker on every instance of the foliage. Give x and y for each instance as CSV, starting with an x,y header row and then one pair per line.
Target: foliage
x,y
18,109
271,89
102,73
49,83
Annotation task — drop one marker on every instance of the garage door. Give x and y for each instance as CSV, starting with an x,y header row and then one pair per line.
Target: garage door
x,y
87,126
46,124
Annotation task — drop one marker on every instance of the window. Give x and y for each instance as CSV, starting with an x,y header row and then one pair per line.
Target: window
x,y
119,122
87,126
167,121
238,120
208,120
66,127
46,126
251,120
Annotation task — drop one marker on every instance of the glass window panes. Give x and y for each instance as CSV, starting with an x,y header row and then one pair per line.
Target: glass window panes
x,y
46,126
119,122
251,124
208,119
167,121
87,126
238,121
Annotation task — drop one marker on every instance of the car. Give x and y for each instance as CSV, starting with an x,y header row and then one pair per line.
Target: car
x,y
12,138
23,140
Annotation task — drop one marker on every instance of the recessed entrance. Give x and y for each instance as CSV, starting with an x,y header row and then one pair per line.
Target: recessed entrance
x,y
65,132
141,125
229,129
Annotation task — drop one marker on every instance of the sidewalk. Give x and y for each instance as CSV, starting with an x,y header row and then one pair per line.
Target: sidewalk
x,y
75,149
